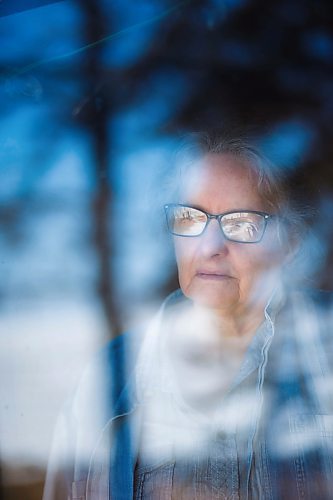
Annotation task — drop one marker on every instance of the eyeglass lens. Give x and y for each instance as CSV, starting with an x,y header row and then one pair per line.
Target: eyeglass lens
x,y
237,226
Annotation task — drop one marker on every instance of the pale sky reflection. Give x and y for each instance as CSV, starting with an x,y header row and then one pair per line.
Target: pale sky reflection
x,y
43,352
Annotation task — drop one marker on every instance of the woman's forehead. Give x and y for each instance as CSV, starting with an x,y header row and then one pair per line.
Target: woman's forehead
x,y
218,175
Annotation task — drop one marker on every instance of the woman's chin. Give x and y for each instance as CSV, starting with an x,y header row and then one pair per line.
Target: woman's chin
x,y
216,298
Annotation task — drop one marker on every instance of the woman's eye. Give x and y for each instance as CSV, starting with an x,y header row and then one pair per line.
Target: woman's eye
x,y
184,216
190,216
199,218
246,226
241,227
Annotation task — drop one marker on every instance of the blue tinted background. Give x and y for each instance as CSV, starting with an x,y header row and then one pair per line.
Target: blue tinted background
x,y
94,96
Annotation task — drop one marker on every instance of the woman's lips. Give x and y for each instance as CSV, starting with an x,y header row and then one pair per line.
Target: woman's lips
x,y
208,275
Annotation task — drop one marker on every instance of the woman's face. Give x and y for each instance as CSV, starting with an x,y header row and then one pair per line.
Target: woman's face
x,y
214,272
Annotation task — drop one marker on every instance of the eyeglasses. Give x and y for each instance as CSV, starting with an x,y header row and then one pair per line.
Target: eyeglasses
x,y
243,226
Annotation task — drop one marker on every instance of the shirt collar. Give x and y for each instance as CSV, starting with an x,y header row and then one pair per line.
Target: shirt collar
x,y
152,371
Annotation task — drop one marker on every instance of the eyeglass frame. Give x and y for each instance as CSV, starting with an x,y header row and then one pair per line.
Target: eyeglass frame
x,y
218,217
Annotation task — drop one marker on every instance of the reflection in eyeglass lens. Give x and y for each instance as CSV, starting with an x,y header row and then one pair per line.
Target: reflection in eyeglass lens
x,y
188,221
237,226
246,227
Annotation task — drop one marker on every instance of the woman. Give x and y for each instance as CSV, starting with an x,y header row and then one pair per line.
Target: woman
x,y
230,394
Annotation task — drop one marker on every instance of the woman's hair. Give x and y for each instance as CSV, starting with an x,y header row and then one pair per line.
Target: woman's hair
x,y
272,181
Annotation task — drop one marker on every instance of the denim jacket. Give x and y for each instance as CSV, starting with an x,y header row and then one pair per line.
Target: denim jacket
x,y
285,453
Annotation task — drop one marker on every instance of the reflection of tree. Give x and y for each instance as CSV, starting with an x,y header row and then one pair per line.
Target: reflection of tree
x,y
207,63
95,116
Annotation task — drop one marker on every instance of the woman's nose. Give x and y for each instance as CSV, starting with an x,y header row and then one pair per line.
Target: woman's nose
x,y
213,241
